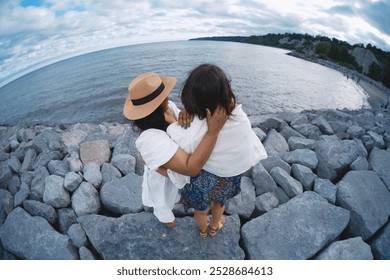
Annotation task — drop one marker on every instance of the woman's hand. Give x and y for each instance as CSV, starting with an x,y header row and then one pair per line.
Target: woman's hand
x,y
216,121
184,119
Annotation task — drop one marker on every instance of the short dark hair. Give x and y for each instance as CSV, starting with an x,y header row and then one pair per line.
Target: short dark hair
x,y
206,87
155,120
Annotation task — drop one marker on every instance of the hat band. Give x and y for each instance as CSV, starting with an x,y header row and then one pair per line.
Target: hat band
x,y
149,97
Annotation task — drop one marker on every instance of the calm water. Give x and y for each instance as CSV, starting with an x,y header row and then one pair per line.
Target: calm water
x,y
93,87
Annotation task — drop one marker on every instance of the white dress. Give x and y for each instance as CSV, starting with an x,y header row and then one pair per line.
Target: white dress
x,y
156,149
237,148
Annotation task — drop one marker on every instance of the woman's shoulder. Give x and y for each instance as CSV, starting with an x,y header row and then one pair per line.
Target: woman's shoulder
x,y
152,135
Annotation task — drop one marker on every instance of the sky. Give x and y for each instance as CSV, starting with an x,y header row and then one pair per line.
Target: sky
x,y
34,33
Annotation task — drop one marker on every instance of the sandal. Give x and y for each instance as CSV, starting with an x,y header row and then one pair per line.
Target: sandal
x,y
213,231
171,224
203,234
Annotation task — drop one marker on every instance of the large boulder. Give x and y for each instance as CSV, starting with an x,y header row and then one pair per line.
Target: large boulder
x,y
142,237
33,238
349,249
123,196
335,157
379,161
297,229
97,151
367,198
381,244
243,204
275,144
304,157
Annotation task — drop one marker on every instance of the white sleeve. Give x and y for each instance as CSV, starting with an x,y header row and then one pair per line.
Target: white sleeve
x,y
156,147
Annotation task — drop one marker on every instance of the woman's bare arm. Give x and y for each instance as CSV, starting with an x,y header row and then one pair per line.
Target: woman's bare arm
x,y
191,165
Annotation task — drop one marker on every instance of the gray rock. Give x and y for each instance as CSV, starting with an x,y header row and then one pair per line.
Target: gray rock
x,y
27,177
44,158
381,244
142,237
300,143
326,189
124,143
360,163
85,200
297,229
5,175
37,208
47,141
275,144
38,184
243,204
86,254
6,201
262,180
125,163
3,156
28,161
97,151
267,123
24,237
58,167
14,184
304,157
367,198
72,181
355,131
339,126
271,162
14,164
304,175
66,217
55,194
265,203
73,138
323,125
288,132
21,195
75,163
123,196
259,133
92,174
349,249
335,157
378,139
109,173
77,235
291,186
308,130
379,162
300,119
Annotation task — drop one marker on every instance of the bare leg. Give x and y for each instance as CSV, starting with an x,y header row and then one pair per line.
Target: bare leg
x,y
201,219
216,215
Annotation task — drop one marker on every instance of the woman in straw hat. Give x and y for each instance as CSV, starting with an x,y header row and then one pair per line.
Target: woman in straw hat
x,y
237,148
148,106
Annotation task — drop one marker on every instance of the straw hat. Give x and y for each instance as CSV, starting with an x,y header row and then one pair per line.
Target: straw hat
x,y
145,94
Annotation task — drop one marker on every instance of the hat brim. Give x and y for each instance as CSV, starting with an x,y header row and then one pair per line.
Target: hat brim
x,y
132,112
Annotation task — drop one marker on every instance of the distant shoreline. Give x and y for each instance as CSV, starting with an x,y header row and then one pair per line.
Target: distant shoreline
x,y
378,94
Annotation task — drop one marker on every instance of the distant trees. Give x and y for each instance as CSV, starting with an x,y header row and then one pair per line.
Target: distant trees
x,y
323,49
375,71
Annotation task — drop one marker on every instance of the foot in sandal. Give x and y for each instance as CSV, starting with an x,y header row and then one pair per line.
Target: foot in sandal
x,y
213,231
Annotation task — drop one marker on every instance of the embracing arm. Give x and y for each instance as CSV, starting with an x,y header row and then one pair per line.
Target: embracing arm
x,y
191,165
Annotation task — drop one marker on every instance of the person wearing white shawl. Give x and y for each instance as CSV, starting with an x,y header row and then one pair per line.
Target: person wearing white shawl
x,y
237,148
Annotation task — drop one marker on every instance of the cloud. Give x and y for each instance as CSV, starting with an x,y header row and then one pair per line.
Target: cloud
x,y
37,32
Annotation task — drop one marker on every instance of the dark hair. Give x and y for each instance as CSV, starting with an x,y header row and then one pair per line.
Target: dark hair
x,y
206,87
155,120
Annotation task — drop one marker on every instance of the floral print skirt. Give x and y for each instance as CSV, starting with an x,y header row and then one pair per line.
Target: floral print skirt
x,y
207,187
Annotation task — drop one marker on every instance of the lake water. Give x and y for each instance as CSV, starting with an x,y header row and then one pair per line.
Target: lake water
x,y
93,87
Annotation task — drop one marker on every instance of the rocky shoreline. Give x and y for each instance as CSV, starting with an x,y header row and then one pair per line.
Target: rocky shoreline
x,y
74,192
